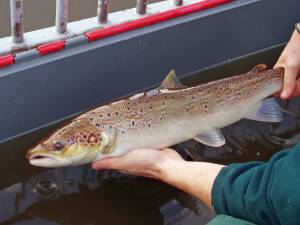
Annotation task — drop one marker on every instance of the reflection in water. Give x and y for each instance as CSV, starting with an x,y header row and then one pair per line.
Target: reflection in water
x,y
80,195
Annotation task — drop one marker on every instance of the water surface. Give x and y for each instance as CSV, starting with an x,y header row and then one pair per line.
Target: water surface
x,y
79,195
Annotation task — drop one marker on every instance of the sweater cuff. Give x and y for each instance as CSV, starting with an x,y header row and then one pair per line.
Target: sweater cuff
x,y
217,200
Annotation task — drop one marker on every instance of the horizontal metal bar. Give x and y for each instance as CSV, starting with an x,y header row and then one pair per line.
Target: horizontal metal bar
x,y
16,14
141,7
102,11
61,19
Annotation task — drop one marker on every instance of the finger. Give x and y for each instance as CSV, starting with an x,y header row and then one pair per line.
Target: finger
x,y
289,83
279,63
297,88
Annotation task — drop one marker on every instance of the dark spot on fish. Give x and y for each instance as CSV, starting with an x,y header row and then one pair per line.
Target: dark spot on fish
x,y
117,113
128,108
97,125
161,118
163,103
149,125
108,114
101,115
132,122
91,119
110,126
193,97
205,106
123,132
151,107
141,110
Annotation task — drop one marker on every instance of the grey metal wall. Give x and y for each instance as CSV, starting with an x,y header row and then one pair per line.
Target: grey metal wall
x,y
47,89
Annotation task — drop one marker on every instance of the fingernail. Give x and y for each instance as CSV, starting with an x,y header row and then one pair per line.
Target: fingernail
x,y
284,94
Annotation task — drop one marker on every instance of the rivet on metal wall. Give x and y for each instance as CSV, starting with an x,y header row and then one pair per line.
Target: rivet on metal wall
x,y
16,15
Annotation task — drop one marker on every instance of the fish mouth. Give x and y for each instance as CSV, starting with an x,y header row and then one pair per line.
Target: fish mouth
x,y
39,157
45,160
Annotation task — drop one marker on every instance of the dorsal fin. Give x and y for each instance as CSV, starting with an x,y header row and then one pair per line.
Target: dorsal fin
x,y
259,68
171,81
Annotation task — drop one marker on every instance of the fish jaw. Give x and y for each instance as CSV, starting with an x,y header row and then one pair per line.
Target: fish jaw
x,y
71,156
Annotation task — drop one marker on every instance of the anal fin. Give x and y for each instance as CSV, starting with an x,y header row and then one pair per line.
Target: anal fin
x,y
267,111
212,137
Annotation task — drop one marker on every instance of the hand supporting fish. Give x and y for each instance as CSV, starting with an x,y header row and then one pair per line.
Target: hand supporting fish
x,y
159,118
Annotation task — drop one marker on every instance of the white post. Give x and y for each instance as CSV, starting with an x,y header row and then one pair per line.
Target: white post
x,y
16,19
178,2
61,20
141,7
102,11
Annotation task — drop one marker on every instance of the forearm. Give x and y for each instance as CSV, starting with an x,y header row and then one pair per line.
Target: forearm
x,y
196,178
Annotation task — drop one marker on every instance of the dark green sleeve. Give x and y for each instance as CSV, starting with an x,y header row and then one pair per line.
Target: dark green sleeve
x,y
263,193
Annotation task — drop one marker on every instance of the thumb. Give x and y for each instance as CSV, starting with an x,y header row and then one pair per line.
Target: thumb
x,y
289,83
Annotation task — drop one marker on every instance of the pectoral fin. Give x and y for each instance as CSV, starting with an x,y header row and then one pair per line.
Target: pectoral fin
x,y
267,111
212,137
108,144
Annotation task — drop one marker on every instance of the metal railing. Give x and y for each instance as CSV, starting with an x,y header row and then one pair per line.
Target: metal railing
x,y
61,21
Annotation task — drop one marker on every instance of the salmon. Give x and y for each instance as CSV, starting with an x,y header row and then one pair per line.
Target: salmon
x,y
162,117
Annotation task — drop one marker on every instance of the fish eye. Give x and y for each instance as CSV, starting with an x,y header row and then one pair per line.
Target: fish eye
x,y
58,146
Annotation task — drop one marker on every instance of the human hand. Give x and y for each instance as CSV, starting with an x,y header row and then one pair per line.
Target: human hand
x,y
290,61
141,162
196,178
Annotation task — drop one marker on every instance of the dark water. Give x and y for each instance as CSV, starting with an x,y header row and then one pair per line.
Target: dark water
x,y
79,195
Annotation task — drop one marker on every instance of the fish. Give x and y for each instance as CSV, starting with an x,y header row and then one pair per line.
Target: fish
x,y
162,117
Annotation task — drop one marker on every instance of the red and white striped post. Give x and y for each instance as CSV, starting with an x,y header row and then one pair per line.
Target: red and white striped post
x,y
16,15
102,11
178,2
141,7
61,20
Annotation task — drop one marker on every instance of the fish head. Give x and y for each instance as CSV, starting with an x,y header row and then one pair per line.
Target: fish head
x,y
77,143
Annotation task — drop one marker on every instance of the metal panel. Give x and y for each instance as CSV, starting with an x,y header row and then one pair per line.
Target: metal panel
x,y
47,89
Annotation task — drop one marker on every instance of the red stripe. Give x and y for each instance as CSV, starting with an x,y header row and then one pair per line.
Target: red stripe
x,y
51,47
6,60
156,18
